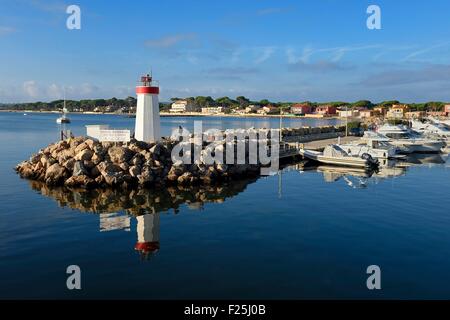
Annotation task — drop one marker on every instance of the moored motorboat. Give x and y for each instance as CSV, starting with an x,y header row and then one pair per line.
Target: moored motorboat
x,y
432,129
335,155
409,141
375,144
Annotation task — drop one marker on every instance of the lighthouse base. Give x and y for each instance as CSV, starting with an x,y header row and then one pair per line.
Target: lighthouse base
x,y
147,126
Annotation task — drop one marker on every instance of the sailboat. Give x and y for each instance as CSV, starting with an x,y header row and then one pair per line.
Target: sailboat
x,y
63,118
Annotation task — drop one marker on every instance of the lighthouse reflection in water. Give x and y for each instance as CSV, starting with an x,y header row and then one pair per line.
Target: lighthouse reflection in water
x,y
147,230
147,234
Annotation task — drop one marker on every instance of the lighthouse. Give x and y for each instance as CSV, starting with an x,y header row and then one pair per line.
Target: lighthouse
x,y
147,126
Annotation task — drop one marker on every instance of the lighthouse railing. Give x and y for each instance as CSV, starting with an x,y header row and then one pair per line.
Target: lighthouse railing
x,y
154,83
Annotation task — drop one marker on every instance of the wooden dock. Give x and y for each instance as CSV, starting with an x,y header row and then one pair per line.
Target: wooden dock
x,y
320,144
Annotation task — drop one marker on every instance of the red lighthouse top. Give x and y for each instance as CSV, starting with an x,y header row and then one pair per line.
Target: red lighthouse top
x,y
147,85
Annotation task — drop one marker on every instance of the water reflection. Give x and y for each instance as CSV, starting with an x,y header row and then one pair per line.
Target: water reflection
x,y
137,202
359,178
116,208
147,234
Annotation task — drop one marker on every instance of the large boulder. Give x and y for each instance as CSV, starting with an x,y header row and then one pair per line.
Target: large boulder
x,y
69,164
25,170
65,155
79,169
97,158
74,142
108,167
82,146
137,160
158,149
120,154
146,176
91,143
55,174
135,171
85,154
113,179
35,158
81,181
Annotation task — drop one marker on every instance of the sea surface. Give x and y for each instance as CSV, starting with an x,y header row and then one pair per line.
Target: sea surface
x,y
306,232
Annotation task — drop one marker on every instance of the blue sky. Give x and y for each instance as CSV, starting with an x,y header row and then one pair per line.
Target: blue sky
x,y
281,50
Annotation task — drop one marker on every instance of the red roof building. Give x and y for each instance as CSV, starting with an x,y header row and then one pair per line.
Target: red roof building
x,y
299,108
326,110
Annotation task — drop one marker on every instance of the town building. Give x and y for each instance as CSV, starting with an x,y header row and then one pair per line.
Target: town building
x,y
380,111
301,109
252,108
415,114
349,113
436,113
181,106
239,111
447,110
269,109
367,113
326,110
213,110
397,111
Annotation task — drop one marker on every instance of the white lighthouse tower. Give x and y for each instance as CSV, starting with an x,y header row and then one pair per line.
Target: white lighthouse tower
x,y
147,114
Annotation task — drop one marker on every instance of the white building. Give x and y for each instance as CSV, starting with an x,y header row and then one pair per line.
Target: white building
x,y
252,108
212,110
348,113
182,106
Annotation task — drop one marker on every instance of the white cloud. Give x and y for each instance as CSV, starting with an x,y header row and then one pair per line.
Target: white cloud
x,y
54,91
334,54
31,89
423,51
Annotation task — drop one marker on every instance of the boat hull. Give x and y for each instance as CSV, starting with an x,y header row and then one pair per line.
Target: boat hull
x,y
62,120
353,162
419,147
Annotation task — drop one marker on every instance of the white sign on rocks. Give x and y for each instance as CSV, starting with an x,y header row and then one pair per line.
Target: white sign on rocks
x,y
114,135
103,133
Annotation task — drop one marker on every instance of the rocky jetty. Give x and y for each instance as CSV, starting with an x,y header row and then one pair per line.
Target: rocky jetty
x,y
84,162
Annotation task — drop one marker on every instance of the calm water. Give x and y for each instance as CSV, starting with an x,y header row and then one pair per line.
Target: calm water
x,y
309,232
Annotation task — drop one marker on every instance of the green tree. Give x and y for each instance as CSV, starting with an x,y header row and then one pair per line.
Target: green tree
x,y
388,103
362,104
243,101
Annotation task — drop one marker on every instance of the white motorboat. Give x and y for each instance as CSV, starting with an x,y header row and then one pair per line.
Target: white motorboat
x,y
373,143
409,141
445,122
434,129
335,155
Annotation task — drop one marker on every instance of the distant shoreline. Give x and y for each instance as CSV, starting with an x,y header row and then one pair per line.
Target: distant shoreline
x,y
190,114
